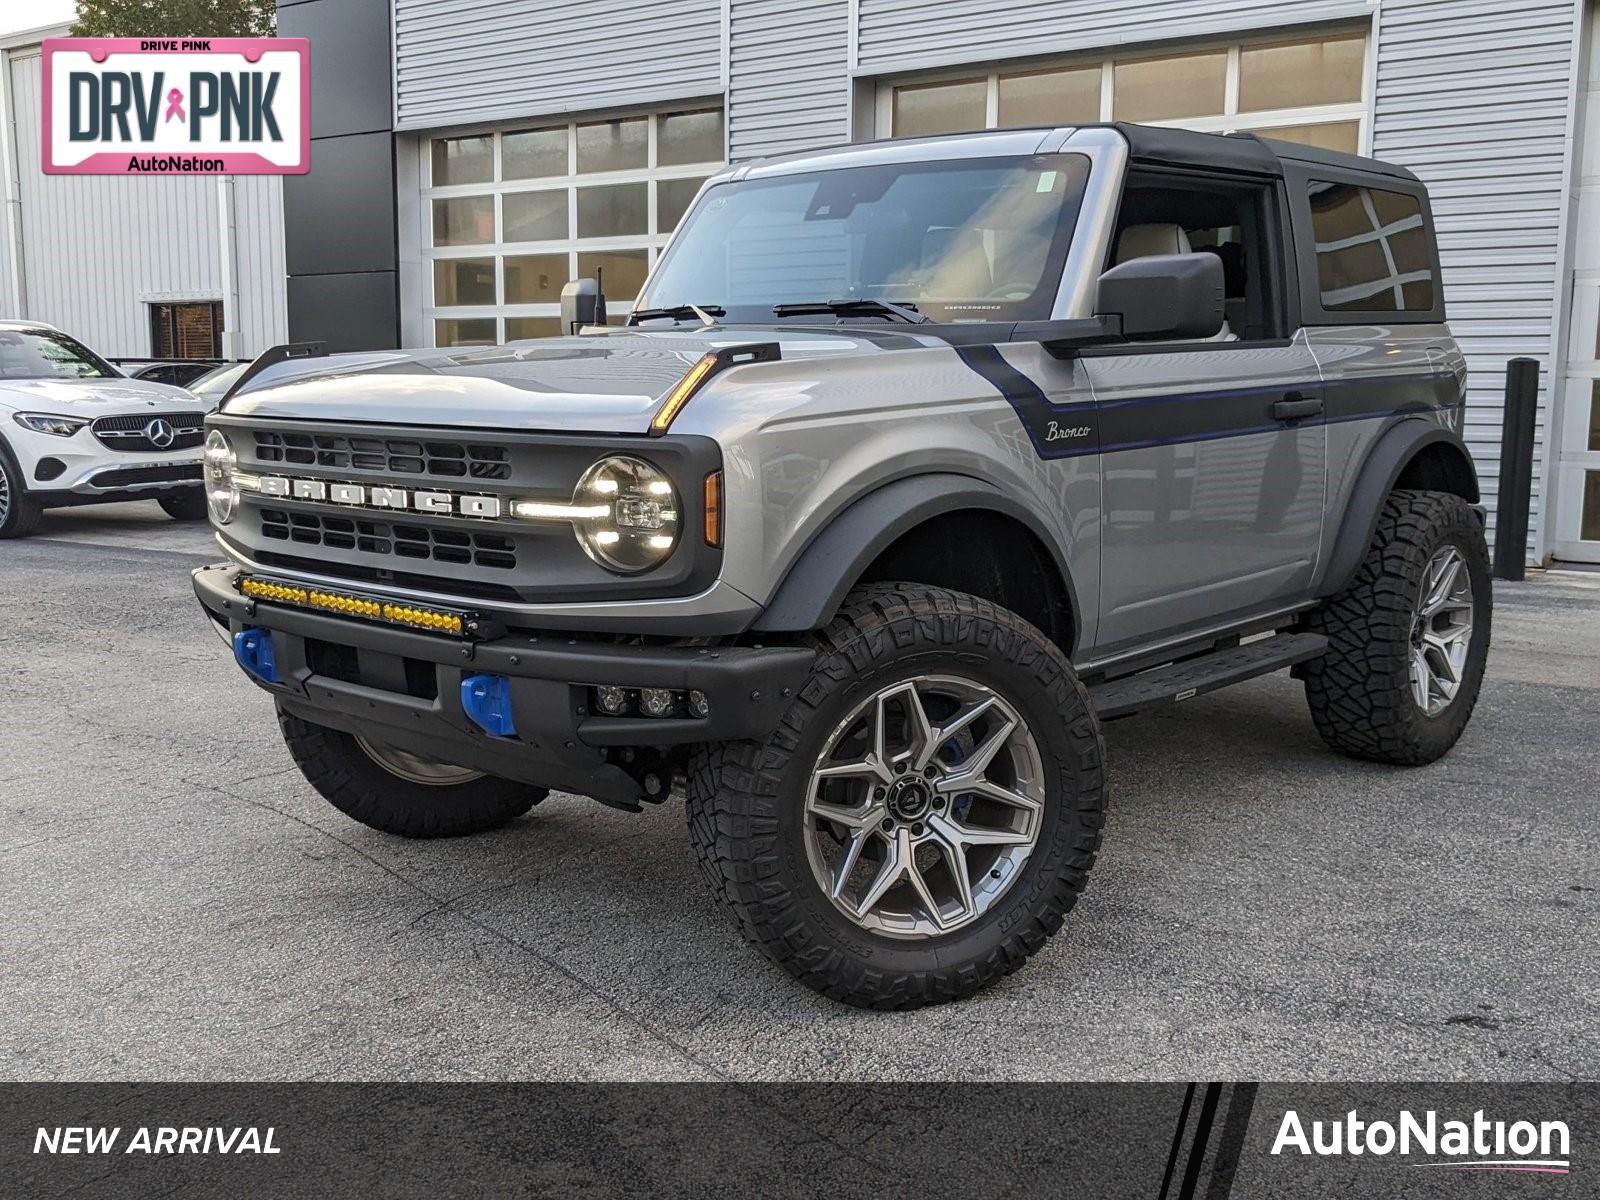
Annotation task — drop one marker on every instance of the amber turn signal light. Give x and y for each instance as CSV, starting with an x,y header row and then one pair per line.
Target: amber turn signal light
x,y
704,368
713,506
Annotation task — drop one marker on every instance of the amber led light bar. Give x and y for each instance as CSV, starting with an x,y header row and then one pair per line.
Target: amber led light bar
x,y
414,616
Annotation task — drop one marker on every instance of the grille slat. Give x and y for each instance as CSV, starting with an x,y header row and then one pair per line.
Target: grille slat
x,y
382,537
127,432
398,456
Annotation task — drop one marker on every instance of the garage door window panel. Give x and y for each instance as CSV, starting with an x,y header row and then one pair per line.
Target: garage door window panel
x,y
542,203
1310,90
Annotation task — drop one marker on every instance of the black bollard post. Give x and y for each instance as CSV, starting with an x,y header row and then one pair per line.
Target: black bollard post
x,y
1516,469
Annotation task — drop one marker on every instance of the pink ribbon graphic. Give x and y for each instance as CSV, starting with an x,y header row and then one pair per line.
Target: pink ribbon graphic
x,y
175,105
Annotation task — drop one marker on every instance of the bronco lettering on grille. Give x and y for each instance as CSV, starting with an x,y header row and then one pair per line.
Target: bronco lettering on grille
x,y
441,503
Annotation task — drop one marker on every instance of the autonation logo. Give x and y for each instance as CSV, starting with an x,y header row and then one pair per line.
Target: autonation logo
x,y
1480,1144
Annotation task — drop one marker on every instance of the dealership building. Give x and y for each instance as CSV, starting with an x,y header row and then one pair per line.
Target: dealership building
x,y
470,156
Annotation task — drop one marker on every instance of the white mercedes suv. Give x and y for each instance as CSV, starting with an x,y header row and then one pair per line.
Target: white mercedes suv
x,y
74,430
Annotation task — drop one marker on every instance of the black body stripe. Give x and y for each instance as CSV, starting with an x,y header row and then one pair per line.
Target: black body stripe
x,y
1105,427
1057,431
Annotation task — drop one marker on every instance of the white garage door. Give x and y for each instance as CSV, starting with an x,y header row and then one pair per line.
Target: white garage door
x,y
1578,467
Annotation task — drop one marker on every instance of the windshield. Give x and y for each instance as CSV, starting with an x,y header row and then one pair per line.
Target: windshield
x,y
979,240
45,354
214,383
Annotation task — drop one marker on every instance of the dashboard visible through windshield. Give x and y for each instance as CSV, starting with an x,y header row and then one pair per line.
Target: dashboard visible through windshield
x,y
976,240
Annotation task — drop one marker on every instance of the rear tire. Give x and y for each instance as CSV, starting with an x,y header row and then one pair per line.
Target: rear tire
x,y
884,935
19,512
1384,650
354,780
187,505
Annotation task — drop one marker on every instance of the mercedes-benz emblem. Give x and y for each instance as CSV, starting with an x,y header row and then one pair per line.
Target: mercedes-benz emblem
x,y
160,433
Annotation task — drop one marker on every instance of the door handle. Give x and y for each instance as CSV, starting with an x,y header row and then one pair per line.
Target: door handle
x,y
1295,406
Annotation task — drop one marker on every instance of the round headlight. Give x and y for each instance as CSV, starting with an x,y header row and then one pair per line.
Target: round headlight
x,y
635,519
222,492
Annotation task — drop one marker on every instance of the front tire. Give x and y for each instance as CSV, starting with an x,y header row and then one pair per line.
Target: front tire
x,y
19,512
1408,638
925,814
187,505
394,791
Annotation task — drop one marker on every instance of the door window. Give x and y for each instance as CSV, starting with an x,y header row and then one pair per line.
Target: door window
x,y
1231,220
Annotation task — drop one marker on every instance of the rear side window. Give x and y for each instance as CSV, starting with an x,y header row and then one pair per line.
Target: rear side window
x,y
1374,252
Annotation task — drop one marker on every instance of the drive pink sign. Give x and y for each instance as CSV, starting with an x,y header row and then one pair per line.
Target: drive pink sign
x,y
177,106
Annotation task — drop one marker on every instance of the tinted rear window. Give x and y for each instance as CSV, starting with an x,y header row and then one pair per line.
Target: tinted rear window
x,y
1373,250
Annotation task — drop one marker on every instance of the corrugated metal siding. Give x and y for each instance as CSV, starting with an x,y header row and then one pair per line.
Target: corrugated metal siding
x,y
1473,96
789,78
467,61
5,264
263,318
899,35
96,247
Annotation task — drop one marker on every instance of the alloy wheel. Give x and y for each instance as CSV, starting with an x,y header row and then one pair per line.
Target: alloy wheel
x,y
1441,631
5,491
924,805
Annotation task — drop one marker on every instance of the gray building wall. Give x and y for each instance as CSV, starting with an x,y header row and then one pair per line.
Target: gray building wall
x,y
340,240
459,62
1474,95
788,78
97,248
1476,98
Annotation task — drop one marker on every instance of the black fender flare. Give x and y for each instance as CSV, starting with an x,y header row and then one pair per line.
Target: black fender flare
x,y
817,581
1395,448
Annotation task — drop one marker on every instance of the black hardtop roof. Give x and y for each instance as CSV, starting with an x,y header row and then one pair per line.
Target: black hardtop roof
x,y
1240,151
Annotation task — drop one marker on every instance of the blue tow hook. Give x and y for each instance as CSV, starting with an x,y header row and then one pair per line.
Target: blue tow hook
x,y
253,650
486,699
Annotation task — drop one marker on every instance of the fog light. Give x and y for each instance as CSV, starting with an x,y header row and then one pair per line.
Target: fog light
x,y
699,706
613,701
657,702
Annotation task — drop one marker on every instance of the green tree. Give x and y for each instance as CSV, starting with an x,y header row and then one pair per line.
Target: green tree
x,y
175,18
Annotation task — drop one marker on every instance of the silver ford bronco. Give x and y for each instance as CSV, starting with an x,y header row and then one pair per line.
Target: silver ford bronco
x,y
913,463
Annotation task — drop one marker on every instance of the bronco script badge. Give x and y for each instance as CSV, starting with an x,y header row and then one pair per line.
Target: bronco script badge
x,y
177,106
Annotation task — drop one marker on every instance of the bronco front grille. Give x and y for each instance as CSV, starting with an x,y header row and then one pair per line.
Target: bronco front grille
x,y
451,460
143,433
390,537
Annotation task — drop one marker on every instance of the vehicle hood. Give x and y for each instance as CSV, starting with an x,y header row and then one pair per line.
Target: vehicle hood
x,y
604,383
94,397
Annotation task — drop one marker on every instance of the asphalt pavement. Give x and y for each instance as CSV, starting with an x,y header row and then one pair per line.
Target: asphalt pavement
x,y
177,903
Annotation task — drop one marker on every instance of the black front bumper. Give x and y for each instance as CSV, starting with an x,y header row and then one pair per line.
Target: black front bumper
x,y
559,743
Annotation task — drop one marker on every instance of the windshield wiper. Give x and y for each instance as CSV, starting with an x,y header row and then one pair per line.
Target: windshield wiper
x,y
858,307
706,313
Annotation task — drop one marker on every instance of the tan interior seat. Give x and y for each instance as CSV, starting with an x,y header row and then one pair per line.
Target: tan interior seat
x,y
1141,241
1163,237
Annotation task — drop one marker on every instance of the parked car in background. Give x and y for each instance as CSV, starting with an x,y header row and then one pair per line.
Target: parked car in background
x,y
74,430
214,384
179,374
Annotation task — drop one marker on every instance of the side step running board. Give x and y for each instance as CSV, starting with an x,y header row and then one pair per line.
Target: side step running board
x,y
1194,676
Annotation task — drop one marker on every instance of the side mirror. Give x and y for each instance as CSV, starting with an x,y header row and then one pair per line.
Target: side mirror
x,y
1164,296
582,303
